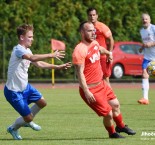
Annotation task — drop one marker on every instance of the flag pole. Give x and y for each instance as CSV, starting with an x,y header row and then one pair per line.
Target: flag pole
x,y
56,45
53,80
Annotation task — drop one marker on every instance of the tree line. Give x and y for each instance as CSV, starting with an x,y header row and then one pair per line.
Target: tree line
x,y
60,20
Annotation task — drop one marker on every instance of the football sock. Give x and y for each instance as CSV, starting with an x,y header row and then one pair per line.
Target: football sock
x,y
35,109
18,123
119,121
110,129
145,88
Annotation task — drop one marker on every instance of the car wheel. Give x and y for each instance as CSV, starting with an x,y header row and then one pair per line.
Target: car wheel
x,y
117,71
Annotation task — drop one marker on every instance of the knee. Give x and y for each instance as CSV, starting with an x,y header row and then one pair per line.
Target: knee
x,y
116,106
109,116
44,104
116,110
145,75
28,118
41,103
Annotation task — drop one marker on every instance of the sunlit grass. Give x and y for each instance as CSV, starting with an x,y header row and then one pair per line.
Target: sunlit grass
x,y
68,121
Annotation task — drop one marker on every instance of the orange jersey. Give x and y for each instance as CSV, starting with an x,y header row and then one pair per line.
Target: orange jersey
x,y
102,32
90,57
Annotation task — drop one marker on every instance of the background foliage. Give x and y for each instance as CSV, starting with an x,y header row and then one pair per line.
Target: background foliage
x,y
60,20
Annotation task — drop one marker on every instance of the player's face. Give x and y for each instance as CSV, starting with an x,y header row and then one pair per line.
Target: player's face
x,y
27,39
88,32
92,16
146,21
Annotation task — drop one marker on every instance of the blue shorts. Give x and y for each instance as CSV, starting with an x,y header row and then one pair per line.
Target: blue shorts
x,y
21,100
145,63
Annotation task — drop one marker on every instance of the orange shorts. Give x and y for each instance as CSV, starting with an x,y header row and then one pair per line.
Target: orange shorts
x,y
102,93
106,66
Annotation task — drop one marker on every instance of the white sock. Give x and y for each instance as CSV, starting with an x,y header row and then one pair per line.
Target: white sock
x,y
35,109
145,88
20,121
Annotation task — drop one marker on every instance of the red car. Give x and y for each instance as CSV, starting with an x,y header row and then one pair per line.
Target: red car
x,y
127,59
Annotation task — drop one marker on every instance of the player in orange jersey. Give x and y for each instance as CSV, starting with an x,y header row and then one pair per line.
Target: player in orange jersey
x,y
93,90
104,38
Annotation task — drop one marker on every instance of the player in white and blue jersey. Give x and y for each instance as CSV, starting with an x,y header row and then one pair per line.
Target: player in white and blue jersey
x,y
18,92
148,48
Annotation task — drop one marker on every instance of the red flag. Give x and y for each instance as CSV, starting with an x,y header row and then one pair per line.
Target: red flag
x,y
57,45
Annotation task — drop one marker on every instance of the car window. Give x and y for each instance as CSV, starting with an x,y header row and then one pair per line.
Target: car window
x,y
137,47
131,48
127,49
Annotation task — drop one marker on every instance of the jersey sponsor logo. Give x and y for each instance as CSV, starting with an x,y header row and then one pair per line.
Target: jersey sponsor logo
x,y
26,63
146,39
96,47
95,57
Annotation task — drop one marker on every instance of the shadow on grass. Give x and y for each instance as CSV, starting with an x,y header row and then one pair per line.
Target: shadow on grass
x,y
57,139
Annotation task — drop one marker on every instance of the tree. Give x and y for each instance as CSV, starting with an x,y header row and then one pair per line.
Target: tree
x,y
60,20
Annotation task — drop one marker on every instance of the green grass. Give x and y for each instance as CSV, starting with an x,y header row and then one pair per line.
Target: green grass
x,y
68,121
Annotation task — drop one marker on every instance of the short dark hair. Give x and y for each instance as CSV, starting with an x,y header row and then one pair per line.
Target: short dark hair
x,y
82,25
91,9
23,29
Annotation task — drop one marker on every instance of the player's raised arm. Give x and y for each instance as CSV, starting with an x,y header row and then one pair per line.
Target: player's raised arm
x,y
38,57
45,65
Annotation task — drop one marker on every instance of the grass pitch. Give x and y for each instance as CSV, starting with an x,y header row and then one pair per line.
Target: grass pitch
x,y
68,121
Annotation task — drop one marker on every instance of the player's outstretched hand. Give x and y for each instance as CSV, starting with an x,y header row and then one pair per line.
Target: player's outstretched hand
x,y
59,54
66,65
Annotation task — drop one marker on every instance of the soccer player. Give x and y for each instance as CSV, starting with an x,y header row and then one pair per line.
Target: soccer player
x,y
148,38
104,38
18,92
93,89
